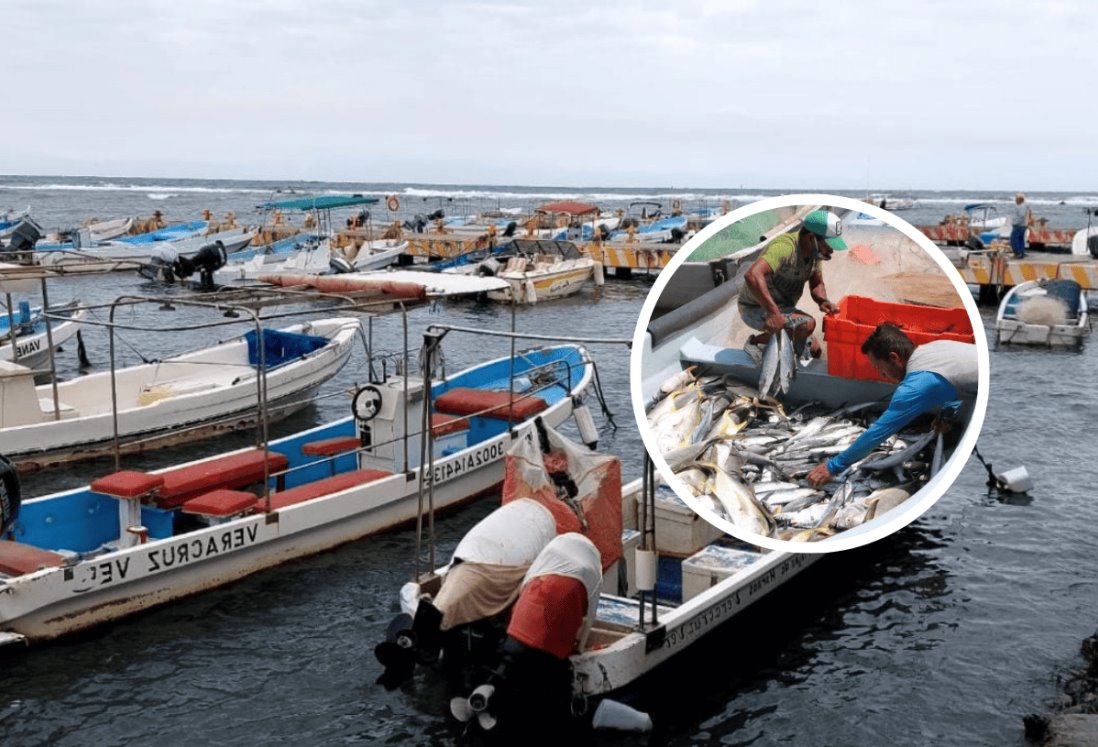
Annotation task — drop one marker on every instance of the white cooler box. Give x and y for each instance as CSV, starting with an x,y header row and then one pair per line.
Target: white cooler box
x,y
712,565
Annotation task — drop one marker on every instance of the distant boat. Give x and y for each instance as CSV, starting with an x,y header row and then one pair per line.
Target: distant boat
x,y
125,255
892,202
1048,313
537,270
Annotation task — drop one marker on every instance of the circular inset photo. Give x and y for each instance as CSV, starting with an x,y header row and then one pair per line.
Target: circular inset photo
x,y
809,373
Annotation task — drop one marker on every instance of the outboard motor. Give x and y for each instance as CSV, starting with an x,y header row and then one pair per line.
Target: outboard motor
x,y
437,215
464,619
488,267
161,265
677,234
1092,246
510,230
10,495
23,238
973,244
418,223
338,265
206,261
532,692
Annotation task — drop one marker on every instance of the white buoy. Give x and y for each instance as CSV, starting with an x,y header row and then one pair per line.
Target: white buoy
x,y
614,715
600,277
1016,480
531,293
585,424
647,570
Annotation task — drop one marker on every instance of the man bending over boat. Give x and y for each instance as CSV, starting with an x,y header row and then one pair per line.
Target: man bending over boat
x,y
935,376
775,282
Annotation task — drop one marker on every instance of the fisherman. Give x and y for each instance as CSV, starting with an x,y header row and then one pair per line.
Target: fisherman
x,y
775,282
1021,218
941,374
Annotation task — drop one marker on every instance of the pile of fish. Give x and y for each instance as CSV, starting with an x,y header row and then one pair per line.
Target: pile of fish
x,y
746,460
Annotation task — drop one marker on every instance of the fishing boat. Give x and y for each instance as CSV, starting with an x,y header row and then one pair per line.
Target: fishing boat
x,y
12,218
171,400
537,270
1048,313
32,338
661,230
92,233
891,202
572,591
125,255
311,253
132,540
376,254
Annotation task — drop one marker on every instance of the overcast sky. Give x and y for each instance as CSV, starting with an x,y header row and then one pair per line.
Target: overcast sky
x,y
843,95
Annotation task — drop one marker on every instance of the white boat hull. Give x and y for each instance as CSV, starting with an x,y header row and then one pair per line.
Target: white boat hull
x,y
560,280
169,398
618,664
52,602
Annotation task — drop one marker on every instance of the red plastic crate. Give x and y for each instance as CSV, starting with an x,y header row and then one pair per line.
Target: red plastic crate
x,y
859,316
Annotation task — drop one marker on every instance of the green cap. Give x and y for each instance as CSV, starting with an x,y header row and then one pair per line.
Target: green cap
x,y
826,224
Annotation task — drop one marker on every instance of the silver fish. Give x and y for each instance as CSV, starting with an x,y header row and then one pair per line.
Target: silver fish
x,y
897,459
678,381
939,452
787,367
769,368
743,509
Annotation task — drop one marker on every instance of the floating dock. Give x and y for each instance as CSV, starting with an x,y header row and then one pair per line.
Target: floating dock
x,y
626,259
997,269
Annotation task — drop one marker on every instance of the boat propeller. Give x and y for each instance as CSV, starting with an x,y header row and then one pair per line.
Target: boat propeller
x,y
397,652
475,706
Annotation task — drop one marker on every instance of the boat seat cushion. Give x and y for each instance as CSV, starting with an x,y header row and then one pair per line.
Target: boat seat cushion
x,y
331,446
18,558
465,401
443,424
127,484
220,503
319,488
233,471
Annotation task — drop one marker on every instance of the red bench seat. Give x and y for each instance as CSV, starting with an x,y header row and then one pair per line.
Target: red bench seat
x,y
18,558
220,504
465,401
443,424
331,446
319,488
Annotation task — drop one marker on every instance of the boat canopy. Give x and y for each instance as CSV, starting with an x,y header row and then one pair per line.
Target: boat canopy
x,y
322,202
570,208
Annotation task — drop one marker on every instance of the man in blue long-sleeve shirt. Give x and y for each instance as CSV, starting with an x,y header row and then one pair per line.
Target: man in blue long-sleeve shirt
x,y
933,375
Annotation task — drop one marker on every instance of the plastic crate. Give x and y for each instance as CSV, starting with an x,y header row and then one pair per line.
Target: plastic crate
x,y
858,316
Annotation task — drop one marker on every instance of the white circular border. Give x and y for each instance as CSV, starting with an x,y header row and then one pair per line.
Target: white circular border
x,y
910,509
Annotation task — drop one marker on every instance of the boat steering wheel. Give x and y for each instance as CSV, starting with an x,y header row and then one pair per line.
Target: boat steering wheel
x,y
367,403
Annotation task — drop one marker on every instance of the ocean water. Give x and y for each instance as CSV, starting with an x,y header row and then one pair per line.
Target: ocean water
x,y
946,633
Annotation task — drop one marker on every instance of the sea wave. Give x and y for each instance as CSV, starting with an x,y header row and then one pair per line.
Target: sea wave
x,y
147,188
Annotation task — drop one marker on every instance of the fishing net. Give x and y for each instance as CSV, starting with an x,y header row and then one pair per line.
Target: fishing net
x,y
581,488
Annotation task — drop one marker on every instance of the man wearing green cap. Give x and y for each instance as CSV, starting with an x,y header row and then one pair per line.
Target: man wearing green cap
x,y
775,282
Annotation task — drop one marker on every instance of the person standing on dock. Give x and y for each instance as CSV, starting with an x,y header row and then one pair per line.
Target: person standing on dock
x,y
1021,218
940,375
775,282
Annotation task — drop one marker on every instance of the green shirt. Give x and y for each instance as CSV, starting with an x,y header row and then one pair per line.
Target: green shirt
x,y
790,272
